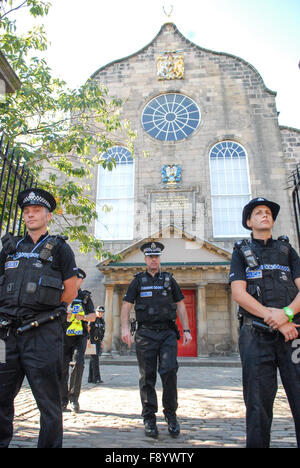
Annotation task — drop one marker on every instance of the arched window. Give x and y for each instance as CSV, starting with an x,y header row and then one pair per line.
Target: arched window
x,y
115,197
171,117
230,189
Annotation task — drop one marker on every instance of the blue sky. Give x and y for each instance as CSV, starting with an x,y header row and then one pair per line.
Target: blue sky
x,y
87,35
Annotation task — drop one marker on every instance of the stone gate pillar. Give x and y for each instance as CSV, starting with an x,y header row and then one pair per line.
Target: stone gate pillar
x,y
202,332
109,291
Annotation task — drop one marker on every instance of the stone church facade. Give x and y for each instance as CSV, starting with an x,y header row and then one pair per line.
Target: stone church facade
x,y
209,126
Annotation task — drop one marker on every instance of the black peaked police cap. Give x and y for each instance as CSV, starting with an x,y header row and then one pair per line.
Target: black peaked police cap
x,y
152,248
36,196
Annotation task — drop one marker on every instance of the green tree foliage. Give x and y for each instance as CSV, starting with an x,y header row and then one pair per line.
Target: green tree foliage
x,y
61,133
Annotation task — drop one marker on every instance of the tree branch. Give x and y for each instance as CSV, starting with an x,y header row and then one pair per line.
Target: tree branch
x,y
14,9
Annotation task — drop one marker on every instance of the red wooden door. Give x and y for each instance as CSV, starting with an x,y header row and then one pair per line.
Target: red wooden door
x,y
190,304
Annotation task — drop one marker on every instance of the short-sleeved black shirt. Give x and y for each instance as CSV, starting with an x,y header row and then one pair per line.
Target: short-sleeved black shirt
x,y
65,259
134,289
238,264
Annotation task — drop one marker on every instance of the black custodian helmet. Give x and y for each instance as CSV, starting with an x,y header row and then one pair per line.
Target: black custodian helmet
x,y
274,207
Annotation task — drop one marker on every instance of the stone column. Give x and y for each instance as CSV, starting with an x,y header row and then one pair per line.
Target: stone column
x,y
116,323
109,290
202,332
234,325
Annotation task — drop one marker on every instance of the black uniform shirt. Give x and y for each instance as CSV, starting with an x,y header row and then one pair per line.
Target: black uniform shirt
x,y
134,289
65,259
97,330
238,264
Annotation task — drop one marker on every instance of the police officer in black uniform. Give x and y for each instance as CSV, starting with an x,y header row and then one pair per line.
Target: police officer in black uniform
x,y
76,334
37,282
157,299
265,282
97,331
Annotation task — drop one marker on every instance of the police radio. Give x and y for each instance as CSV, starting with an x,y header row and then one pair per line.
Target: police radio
x,y
47,249
9,243
167,285
249,256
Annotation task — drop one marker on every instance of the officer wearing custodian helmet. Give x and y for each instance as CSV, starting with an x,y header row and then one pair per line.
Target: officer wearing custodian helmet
x,y
265,282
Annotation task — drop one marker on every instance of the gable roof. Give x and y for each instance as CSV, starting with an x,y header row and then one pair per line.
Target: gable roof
x,y
181,249
192,44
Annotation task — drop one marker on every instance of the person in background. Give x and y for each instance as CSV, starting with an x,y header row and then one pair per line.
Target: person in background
x,y
97,330
76,334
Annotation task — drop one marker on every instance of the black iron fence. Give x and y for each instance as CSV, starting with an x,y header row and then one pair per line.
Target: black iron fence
x,y
295,179
14,177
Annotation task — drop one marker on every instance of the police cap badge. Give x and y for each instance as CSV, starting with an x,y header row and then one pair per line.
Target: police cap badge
x,y
152,248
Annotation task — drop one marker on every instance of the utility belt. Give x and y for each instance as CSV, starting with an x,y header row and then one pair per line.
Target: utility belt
x,y
160,326
25,323
154,326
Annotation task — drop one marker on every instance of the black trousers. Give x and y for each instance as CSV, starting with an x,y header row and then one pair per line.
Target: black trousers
x,y
94,366
74,349
262,354
157,351
37,354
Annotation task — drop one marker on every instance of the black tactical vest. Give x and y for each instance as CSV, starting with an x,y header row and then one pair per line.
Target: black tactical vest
x,y
29,281
271,282
154,301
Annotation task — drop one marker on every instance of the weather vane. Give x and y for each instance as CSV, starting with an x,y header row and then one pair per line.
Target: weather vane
x,y
170,12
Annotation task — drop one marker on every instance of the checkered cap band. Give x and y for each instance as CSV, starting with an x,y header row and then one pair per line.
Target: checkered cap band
x,y
34,199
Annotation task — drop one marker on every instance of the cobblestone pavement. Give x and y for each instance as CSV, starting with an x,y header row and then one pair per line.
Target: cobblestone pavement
x,y
211,413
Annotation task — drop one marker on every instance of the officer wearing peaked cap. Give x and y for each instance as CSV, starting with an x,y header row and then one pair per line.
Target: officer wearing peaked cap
x,y
38,197
37,282
152,248
265,282
157,299
97,331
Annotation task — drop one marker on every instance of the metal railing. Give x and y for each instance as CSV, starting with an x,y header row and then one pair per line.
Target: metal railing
x,y
294,181
14,177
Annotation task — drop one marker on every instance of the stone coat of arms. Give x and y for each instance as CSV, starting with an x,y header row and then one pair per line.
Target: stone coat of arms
x,y
170,66
171,174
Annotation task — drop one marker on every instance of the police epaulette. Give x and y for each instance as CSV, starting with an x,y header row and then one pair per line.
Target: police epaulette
x,y
283,239
138,274
9,243
238,244
60,236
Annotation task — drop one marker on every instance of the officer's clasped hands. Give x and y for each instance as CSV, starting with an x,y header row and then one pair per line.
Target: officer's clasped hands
x,y
289,331
276,318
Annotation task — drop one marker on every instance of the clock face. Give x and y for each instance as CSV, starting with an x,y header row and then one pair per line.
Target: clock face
x,y
171,117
